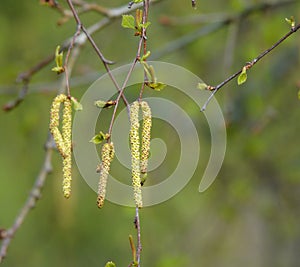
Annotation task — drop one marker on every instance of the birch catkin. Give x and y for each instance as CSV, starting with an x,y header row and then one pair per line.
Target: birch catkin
x,y
107,155
146,134
67,159
135,153
54,122
63,141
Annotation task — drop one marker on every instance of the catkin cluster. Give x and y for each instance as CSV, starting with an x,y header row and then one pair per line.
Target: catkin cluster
x,y
139,156
63,140
107,155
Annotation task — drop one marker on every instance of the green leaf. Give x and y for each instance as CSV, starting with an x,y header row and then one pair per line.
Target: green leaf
x,y
100,103
158,86
110,264
104,104
99,138
77,105
59,61
291,21
243,76
128,21
299,94
202,86
141,25
58,57
58,70
137,1
144,57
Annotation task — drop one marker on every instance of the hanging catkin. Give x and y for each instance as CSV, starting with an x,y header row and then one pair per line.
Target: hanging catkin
x,y
63,141
67,159
146,134
107,155
135,153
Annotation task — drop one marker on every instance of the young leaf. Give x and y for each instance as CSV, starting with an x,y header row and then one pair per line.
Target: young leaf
x,y
110,264
99,138
145,56
128,22
243,76
104,104
157,86
59,61
202,86
100,103
141,25
77,105
291,21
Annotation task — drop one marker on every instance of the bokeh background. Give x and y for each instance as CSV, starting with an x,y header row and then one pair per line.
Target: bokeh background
x,y
248,217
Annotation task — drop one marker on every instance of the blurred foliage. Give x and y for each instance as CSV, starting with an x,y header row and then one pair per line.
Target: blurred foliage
x,y
248,217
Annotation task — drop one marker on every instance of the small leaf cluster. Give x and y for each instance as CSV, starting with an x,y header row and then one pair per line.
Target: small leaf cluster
x,y
59,61
128,21
291,21
150,72
99,138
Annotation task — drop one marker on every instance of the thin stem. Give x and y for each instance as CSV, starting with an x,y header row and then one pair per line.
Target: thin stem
x,y
144,41
138,55
67,60
36,191
138,229
248,66
97,50
34,195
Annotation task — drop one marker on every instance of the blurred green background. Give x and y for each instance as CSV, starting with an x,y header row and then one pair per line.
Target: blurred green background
x,y
248,217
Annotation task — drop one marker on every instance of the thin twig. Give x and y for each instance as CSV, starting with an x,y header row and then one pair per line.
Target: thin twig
x,y
248,66
137,224
34,195
138,55
105,62
67,60
216,22
25,77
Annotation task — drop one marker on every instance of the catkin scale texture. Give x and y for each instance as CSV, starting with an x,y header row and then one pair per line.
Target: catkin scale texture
x,y
135,153
66,134
107,155
146,134
54,122
63,140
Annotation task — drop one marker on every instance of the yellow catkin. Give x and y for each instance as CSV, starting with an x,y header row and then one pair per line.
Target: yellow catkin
x,y
54,122
146,134
63,141
135,153
107,155
67,138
